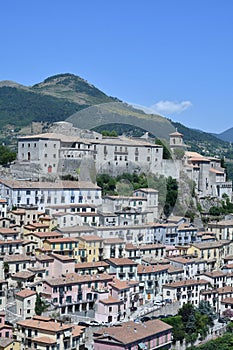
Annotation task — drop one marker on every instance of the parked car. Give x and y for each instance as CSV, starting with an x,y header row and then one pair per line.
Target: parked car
x,y
82,323
94,323
145,318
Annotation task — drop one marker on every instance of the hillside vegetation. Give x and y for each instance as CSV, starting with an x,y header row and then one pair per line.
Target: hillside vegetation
x,y
19,107
69,97
54,99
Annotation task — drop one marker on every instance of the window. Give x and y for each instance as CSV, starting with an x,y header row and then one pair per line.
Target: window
x,y
28,192
45,155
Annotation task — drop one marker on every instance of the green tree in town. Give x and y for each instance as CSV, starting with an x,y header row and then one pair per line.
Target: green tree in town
x,y
40,305
6,155
204,308
178,330
166,150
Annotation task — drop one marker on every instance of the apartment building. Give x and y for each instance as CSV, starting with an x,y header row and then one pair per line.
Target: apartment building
x,y
64,246
187,291
123,268
222,229
143,251
72,293
215,296
155,334
25,303
191,266
90,248
42,333
40,194
212,252
136,234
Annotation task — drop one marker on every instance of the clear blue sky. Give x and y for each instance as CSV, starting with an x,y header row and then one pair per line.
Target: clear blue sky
x,y
174,55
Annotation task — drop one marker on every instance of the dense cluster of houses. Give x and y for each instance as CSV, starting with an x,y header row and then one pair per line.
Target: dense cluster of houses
x,y
103,257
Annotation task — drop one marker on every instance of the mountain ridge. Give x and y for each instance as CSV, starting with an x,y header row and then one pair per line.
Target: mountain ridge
x,y
62,96
226,135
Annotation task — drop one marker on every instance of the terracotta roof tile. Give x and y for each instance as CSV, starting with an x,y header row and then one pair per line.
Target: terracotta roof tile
x,y
131,332
121,261
110,300
44,326
25,293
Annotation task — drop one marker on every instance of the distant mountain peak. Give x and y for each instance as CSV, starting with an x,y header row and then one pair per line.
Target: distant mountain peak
x,y
12,84
60,78
226,135
73,88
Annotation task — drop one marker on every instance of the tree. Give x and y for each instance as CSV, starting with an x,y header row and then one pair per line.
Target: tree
x,y
6,268
166,151
111,133
178,153
171,195
6,155
186,312
40,305
215,211
206,309
178,331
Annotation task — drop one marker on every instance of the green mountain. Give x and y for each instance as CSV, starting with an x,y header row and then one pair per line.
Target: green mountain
x,y
226,135
121,114
72,88
55,99
69,97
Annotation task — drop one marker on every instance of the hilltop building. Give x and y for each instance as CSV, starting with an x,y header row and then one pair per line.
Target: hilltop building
x,y
51,155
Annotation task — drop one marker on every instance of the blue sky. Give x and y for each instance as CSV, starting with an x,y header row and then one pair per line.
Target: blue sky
x,y
172,56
